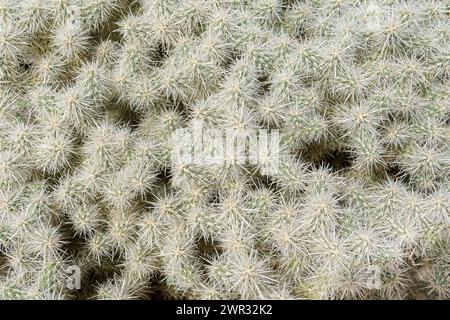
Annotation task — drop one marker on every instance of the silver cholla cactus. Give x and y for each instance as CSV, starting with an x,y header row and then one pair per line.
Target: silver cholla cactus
x,y
237,149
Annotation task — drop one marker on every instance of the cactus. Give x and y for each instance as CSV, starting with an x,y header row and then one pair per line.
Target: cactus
x,y
103,103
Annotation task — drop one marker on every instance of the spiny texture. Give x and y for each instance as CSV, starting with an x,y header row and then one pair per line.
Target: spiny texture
x,y
92,93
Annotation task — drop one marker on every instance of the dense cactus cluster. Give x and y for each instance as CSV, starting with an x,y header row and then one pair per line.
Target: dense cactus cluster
x,y
93,92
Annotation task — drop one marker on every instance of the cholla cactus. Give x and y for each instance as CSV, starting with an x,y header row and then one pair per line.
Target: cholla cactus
x,y
122,123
